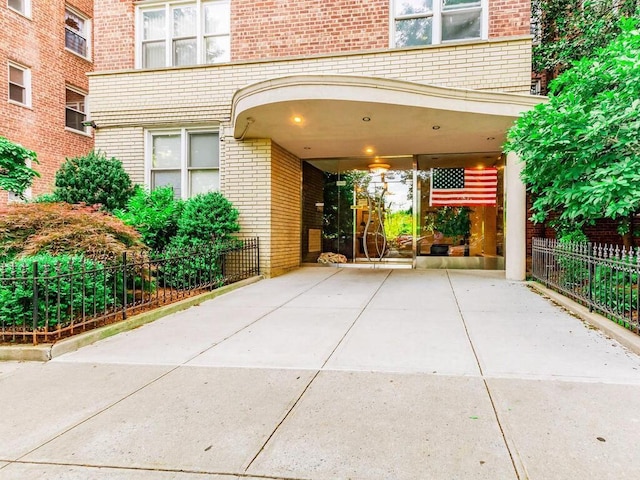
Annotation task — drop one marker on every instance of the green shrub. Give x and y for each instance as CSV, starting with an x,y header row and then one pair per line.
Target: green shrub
x,y
574,270
45,198
59,228
191,263
207,217
154,214
93,179
61,281
206,224
615,291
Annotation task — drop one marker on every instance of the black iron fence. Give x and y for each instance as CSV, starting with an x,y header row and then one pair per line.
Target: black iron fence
x,y
606,278
46,298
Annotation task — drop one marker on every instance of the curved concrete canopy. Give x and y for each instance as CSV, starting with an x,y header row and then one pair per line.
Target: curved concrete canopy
x,y
343,116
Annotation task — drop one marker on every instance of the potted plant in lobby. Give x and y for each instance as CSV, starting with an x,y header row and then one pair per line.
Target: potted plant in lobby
x,y
450,222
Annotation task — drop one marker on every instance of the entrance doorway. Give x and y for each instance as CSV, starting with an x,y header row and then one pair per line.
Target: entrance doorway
x,y
384,211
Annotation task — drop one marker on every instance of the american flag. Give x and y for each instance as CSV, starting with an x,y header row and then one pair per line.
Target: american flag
x,y
464,187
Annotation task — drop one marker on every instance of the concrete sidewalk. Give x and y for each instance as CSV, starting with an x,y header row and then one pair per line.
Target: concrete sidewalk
x,y
332,374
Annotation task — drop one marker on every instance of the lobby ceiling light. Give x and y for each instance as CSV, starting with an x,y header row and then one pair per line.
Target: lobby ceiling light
x,y
366,119
297,120
368,150
436,127
379,168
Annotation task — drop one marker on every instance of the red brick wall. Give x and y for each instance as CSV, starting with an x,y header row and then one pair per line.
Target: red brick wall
x,y
263,29
509,18
272,28
115,35
38,43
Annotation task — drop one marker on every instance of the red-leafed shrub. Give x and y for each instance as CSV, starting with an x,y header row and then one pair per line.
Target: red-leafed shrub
x,y
61,228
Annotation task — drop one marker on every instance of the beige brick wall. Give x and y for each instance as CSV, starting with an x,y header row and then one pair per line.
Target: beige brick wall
x,y
263,181
203,93
245,180
286,210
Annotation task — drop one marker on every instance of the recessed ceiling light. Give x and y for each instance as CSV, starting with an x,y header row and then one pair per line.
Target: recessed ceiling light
x,y
297,119
369,150
491,138
436,127
366,119
307,148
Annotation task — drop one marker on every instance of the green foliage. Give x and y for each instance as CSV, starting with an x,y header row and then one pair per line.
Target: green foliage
x,y
397,224
569,32
206,218
15,175
154,214
59,228
582,148
93,179
61,281
207,222
454,222
337,213
45,198
615,291
574,270
190,263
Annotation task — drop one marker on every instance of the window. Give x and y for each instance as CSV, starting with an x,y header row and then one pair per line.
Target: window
x,y
20,6
19,85
176,34
76,32
187,160
426,22
75,111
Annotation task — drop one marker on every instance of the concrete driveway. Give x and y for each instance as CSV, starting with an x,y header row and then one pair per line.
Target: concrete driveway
x,y
330,373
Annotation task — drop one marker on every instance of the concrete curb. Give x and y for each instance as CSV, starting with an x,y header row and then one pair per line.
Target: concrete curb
x,y
47,351
625,337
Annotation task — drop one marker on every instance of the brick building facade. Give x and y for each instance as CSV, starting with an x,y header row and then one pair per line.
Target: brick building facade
x,y
46,50
272,85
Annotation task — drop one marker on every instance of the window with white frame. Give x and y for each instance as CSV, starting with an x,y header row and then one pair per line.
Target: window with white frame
x,y
20,6
427,22
19,84
75,110
187,160
183,33
77,32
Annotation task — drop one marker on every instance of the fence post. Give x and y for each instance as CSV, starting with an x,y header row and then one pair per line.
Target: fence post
x,y
35,303
257,246
124,285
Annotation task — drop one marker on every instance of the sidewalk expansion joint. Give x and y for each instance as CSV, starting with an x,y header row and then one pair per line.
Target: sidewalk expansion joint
x,y
297,401
518,465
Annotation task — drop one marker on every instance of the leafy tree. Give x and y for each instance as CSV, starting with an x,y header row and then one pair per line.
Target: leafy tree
x,y
582,148
569,30
93,179
15,174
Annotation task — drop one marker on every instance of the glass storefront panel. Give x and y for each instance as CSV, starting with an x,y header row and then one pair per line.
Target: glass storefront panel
x,y
371,214
457,217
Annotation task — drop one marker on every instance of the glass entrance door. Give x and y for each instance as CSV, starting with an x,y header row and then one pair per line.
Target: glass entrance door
x,y
384,220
